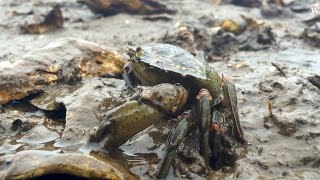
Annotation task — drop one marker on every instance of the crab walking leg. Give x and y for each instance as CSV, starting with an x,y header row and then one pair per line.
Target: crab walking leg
x,y
204,98
174,143
215,139
230,101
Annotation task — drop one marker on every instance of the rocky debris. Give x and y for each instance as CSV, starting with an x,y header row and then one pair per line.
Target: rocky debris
x,y
22,126
36,164
188,37
312,35
314,20
53,20
270,10
227,36
112,7
64,61
286,128
315,80
247,3
189,160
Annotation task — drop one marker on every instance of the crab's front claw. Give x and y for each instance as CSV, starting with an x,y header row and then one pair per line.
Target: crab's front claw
x,y
230,101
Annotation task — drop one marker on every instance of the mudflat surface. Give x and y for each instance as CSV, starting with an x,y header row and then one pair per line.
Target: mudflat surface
x,y
286,144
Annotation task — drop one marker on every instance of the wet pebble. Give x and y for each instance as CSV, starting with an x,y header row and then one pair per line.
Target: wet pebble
x,y
285,173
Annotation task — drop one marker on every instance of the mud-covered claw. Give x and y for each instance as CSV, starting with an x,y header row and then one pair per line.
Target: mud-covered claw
x,y
230,101
204,98
174,143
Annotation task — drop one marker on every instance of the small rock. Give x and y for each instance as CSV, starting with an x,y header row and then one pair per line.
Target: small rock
x,y
2,129
53,21
227,169
316,164
315,80
285,173
264,166
267,125
112,7
16,124
307,160
301,120
314,134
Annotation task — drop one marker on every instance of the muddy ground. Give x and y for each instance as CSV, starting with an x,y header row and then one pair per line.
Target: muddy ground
x,y
285,145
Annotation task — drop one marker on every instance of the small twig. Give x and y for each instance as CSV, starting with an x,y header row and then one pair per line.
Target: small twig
x,y
270,107
279,69
165,36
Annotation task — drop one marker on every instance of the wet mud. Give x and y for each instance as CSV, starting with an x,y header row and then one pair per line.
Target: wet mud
x,y
56,87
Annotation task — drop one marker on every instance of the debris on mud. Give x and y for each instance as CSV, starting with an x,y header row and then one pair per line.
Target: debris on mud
x,y
242,34
312,35
285,128
247,3
21,126
279,69
112,7
54,20
315,80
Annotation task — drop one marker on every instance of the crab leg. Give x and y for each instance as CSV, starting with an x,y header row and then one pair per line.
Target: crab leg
x,y
230,101
215,139
204,98
174,143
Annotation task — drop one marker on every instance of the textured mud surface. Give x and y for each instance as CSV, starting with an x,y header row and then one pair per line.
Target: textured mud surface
x,y
285,144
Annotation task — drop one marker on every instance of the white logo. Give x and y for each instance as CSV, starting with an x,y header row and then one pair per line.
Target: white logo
x,y
315,8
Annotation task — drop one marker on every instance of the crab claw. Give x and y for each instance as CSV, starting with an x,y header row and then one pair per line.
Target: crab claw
x,y
230,101
169,98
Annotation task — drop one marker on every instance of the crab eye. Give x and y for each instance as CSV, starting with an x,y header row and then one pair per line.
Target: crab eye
x,y
138,52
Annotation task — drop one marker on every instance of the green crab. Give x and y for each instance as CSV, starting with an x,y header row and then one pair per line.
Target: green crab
x,y
179,83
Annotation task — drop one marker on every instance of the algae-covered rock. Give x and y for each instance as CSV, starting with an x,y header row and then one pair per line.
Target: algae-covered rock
x,y
64,61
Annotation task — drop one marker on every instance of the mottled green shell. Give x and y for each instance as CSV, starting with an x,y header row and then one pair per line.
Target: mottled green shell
x,y
173,58
165,63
